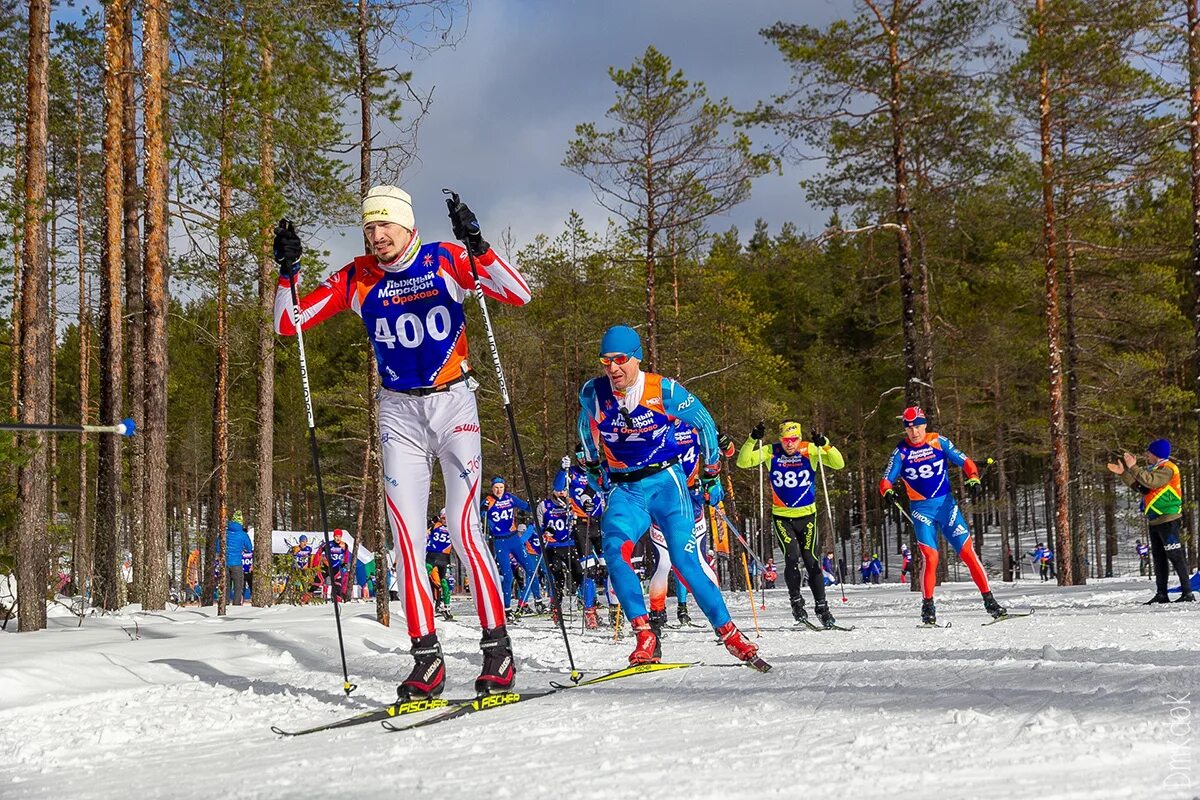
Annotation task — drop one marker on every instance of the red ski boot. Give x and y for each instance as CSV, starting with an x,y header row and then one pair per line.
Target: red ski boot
x,y
499,668
590,621
648,649
428,676
737,644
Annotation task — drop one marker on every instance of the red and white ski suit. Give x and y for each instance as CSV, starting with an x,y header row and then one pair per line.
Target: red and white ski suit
x,y
413,312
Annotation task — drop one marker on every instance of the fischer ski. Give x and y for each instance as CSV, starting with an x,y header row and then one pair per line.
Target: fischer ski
x,y
936,625
625,672
1010,615
812,626
485,703
397,709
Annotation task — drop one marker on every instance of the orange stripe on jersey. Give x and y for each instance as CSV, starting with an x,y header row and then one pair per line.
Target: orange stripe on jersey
x,y
934,441
611,459
453,368
913,495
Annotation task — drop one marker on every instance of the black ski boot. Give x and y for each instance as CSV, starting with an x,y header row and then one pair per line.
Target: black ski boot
x,y
1158,598
824,615
658,619
995,609
499,667
928,612
1190,597
682,614
511,616
798,611
428,676
539,606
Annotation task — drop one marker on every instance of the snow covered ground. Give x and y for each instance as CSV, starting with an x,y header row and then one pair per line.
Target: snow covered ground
x,y
1074,702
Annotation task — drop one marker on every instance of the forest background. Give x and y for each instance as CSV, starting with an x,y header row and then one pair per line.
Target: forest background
x,y
1012,201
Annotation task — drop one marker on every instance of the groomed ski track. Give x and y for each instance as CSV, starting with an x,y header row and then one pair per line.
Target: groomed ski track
x,y
1074,702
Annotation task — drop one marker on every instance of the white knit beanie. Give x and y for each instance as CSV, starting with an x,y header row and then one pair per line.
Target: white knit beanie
x,y
388,204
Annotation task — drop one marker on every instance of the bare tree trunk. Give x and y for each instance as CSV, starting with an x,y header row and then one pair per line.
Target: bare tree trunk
x,y
32,539
1060,464
1193,60
1074,435
925,365
52,321
14,382
1110,523
108,465
220,430
133,320
81,556
154,58
264,518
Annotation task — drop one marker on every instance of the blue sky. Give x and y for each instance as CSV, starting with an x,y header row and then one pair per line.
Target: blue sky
x,y
508,96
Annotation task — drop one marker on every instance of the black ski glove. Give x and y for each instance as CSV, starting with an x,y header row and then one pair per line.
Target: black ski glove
x,y
759,431
466,227
287,249
820,439
725,445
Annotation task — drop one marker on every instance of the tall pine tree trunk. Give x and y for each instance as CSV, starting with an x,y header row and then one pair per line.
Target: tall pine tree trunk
x,y
108,465
154,58
218,504
1060,467
1074,434
32,537
264,415
133,320
14,378
52,317
81,571
1193,59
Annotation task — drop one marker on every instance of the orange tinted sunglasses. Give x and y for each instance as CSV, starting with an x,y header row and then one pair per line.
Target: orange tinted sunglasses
x,y
620,359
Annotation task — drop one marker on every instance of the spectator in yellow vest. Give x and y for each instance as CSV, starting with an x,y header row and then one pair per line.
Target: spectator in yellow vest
x,y
1162,499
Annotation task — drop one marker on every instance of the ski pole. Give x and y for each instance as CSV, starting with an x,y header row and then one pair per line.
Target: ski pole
x,y
452,202
750,592
529,580
829,510
125,427
297,323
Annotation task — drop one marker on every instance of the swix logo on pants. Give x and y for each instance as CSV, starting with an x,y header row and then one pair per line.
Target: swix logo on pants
x,y
444,425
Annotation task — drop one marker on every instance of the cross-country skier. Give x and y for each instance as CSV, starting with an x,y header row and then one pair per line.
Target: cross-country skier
x,y
410,297
556,523
627,417
587,504
437,564
500,513
1143,554
336,555
533,583
687,439
1162,499
793,465
920,462
905,563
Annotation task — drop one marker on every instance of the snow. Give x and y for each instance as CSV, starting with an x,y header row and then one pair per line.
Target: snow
x,y
1074,702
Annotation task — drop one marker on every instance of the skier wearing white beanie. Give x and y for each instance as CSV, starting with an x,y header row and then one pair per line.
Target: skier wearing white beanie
x,y
410,297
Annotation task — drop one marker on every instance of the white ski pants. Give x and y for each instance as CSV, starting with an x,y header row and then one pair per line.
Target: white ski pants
x,y
413,432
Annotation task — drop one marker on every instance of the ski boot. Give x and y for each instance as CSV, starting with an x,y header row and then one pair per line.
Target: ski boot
x,y
824,615
590,620
798,611
995,609
685,618
511,616
539,606
446,615
928,612
741,648
1190,597
499,668
658,620
648,650
428,676
1158,598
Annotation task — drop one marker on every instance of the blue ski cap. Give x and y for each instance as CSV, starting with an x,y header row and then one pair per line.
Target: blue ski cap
x,y
560,481
621,339
1159,448
498,479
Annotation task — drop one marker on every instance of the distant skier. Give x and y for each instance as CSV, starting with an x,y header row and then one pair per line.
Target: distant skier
x,y
1041,558
1143,554
876,568
626,417
336,555
437,564
770,573
864,569
500,509
828,567
556,524
920,462
793,465
905,563
587,504
1162,500
410,298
